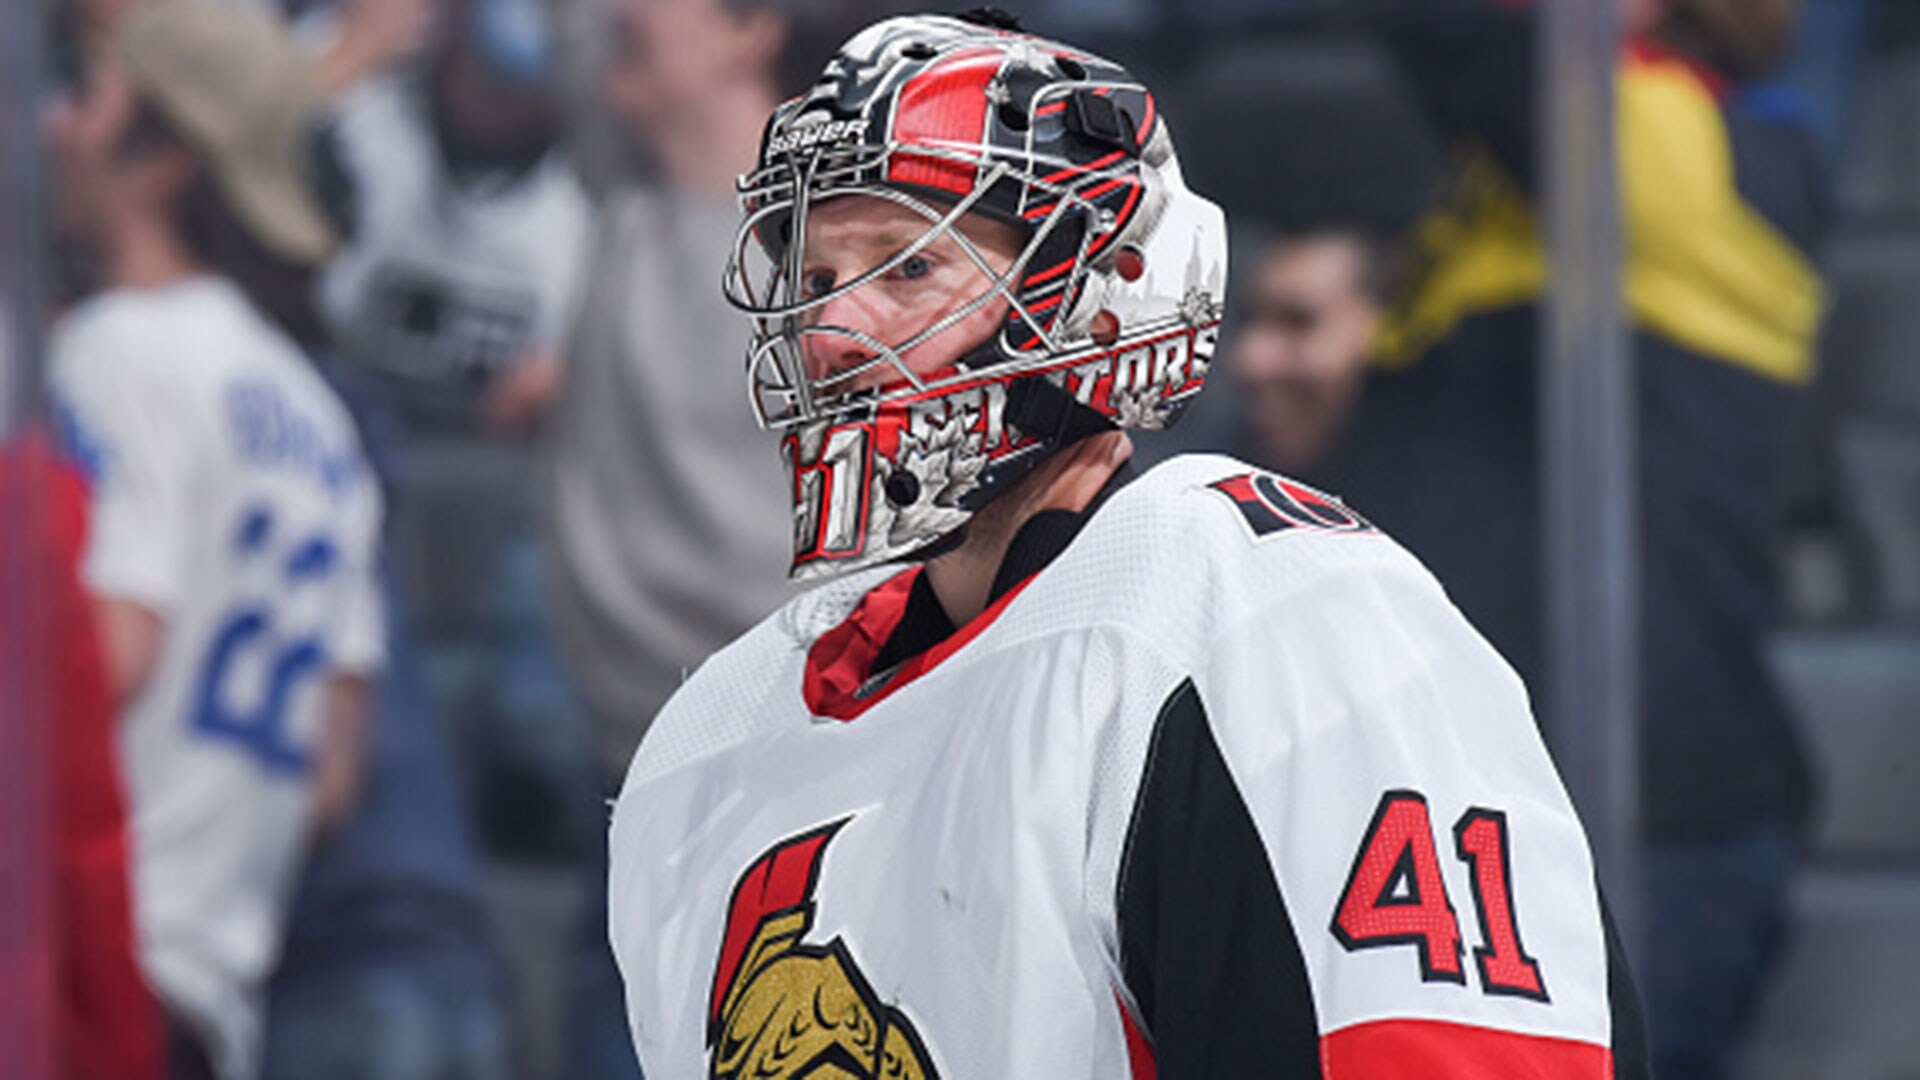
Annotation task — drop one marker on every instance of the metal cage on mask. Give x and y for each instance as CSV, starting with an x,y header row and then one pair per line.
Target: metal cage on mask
x,y
885,460
783,393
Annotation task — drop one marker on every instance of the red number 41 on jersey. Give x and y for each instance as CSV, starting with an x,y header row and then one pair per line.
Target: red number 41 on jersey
x,y
1395,895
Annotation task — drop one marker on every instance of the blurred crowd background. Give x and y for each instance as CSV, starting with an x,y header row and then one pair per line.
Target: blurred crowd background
x,y
499,242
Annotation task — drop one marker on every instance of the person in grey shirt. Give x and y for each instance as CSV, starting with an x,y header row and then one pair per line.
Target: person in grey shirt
x,y
665,516
665,519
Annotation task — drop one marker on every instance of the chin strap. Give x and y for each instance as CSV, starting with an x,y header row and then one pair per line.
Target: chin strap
x,y
1038,408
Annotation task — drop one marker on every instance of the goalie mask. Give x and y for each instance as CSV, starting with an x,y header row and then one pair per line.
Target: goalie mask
x,y
1112,296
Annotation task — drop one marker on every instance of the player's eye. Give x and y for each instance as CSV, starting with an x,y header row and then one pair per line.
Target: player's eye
x,y
817,283
914,266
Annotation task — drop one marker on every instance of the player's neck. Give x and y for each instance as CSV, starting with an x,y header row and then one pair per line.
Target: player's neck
x,y
962,579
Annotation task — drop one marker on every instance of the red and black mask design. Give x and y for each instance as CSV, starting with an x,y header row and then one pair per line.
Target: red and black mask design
x,y
1112,303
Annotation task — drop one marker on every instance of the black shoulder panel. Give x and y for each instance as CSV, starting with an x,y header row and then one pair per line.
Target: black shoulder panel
x,y
1207,946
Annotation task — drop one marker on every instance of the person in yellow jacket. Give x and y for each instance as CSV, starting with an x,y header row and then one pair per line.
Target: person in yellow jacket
x,y
1724,204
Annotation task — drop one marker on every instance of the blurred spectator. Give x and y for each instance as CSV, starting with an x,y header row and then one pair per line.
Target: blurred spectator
x,y
234,518
665,520
370,36
100,1011
1824,66
653,467
1368,172
450,306
387,972
449,309
1724,207
91,24
1305,334
356,38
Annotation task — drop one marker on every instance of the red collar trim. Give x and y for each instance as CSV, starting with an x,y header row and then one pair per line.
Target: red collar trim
x,y
1644,49
839,666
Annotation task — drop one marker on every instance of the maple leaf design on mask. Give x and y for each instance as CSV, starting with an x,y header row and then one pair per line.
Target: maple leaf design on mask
x,y
946,466
1197,307
1140,409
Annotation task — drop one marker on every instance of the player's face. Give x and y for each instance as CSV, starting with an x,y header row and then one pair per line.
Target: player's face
x,y
1302,350
850,235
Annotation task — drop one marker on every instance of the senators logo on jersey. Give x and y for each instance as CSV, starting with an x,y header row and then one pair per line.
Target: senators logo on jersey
x,y
1272,504
782,1009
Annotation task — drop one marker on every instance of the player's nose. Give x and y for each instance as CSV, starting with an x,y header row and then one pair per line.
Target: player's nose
x,y
840,342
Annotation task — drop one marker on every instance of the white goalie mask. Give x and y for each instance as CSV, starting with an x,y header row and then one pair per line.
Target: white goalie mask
x,y
1112,302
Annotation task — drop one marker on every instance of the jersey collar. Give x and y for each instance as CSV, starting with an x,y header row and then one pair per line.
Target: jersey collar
x,y
899,632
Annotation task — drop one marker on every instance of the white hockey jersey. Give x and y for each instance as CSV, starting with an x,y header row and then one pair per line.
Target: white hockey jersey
x,y
1229,788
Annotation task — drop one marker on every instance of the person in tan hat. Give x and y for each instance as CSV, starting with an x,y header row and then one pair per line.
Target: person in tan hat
x,y
201,126
234,518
